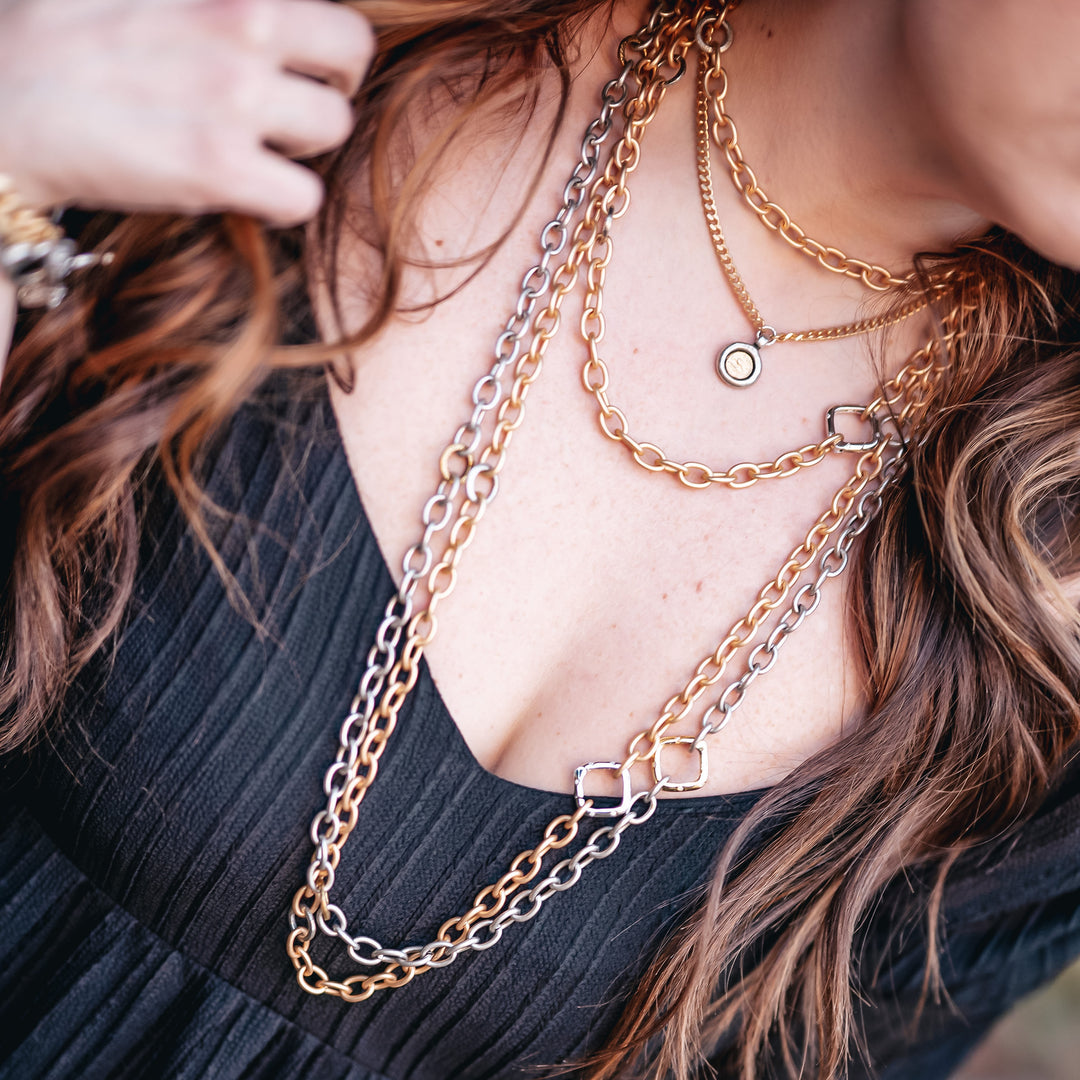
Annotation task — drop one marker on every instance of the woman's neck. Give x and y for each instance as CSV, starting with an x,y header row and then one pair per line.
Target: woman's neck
x,y
831,120
829,117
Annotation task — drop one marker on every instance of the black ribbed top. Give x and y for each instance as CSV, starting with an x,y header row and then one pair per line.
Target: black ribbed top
x,y
150,849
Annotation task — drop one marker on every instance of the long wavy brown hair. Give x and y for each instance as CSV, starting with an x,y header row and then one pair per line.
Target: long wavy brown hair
x,y
961,608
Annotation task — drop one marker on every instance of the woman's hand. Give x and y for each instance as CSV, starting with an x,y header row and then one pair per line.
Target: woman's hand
x,y
192,106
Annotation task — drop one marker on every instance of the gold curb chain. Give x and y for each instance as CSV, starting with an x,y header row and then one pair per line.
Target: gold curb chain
x,y
739,363
709,132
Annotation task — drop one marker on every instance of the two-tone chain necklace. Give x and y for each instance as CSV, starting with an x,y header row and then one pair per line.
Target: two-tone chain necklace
x,y
470,468
739,363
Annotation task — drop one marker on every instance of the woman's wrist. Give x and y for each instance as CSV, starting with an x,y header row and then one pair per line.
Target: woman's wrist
x,y
36,190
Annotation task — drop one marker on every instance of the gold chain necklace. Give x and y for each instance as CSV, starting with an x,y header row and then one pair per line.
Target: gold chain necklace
x,y
739,363
772,215
469,469
694,474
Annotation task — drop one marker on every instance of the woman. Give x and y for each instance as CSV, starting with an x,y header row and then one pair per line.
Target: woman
x,y
861,870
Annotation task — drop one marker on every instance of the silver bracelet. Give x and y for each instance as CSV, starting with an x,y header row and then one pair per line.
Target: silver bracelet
x,y
40,271
35,253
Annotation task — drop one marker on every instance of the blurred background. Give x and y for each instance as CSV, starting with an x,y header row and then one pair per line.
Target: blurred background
x,y
1040,1040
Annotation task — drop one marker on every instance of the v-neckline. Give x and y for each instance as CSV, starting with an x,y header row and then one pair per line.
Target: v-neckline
x,y
739,802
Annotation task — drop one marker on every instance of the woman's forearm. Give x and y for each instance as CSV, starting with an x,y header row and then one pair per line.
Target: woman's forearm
x,y
7,319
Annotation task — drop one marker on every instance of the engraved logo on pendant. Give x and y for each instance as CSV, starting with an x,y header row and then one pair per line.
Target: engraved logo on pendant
x,y
739,364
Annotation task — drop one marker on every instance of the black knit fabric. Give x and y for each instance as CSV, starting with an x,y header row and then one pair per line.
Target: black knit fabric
x,y
150,847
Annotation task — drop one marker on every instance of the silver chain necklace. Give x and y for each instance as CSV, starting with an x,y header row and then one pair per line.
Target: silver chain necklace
x,y
605,840
487,392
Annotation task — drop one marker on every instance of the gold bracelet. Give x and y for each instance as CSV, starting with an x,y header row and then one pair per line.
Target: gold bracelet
x,y
19,223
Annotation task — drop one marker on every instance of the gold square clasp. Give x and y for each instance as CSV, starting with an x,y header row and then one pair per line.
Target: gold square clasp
x,y
703,763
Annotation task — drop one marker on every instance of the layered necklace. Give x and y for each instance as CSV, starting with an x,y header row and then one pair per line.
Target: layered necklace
x,y
576,248
739,363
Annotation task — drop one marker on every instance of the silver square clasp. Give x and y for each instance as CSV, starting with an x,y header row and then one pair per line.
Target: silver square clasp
x,y
581,798
848,445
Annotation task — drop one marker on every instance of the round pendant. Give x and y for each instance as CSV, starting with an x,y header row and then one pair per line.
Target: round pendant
x,y
739,364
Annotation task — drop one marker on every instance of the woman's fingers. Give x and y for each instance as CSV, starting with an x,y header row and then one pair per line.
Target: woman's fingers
x,y
303,118
279,191
192,105
328,41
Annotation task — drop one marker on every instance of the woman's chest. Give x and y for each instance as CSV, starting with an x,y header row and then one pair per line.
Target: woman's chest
x,y
592,591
